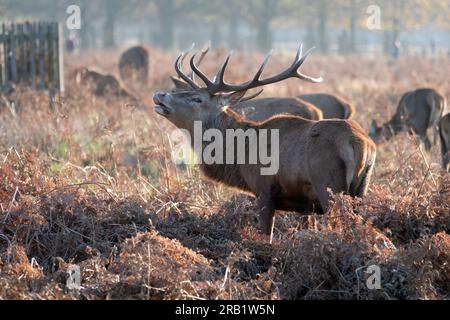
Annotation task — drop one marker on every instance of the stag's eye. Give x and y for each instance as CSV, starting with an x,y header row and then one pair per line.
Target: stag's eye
x,y
197,100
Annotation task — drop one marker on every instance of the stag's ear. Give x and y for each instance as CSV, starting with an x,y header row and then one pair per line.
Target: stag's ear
x,y
180,84
233,98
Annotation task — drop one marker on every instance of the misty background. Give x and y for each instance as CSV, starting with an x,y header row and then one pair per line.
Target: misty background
x,y
417,27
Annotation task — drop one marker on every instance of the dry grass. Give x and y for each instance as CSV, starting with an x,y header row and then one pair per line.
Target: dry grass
x,y
89,181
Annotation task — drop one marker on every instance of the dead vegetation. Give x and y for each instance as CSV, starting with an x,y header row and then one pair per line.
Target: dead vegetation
x,y
89,181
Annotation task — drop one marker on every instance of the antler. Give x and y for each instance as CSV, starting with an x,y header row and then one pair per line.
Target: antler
x,y
189,78
218,83
200,59
178,67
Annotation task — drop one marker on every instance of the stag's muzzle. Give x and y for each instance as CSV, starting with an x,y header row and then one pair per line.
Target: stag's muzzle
x,y
161,103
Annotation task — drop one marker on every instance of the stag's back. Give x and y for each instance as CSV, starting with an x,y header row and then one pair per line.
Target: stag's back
x,y
332,107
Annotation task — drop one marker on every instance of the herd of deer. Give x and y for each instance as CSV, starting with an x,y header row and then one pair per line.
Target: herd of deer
x,y
321,149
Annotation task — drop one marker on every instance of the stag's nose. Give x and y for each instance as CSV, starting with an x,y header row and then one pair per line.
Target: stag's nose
x,y
159,96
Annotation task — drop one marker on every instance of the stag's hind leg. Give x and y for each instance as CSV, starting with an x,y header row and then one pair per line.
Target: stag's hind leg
x,y
328,175
266,207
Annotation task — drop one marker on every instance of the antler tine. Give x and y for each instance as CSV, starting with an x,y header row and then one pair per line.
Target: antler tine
x,y
252,96
203,53
178,67
263,65
303,76
299,54
291,72
218,78
199,73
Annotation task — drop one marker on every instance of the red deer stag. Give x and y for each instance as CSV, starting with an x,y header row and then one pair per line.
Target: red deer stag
x,y
417,111
444,133
313,156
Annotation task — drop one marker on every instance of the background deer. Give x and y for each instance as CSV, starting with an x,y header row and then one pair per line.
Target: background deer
x,y
314,156
417,111
444,133
332,107
134,63
310,106
102,83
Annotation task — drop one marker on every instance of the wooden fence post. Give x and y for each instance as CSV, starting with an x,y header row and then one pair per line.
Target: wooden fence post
x,y
13,53
22,67
59,57
32,54
41,56
32,30
5,53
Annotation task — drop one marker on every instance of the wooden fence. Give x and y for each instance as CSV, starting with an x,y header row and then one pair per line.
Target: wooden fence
x,y
31,55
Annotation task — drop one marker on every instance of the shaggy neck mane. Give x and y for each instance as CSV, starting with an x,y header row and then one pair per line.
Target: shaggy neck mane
x,y
228,174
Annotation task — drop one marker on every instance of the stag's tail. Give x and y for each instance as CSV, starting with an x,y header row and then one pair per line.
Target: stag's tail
x,y
361,166
349,110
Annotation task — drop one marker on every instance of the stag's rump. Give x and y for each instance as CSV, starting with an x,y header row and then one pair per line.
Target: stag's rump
x,y
340,157
317,156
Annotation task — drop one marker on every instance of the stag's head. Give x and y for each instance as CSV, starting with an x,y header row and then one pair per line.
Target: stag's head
x,y
190,102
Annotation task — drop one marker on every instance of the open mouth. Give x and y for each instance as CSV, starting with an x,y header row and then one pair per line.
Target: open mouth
x,y
160,107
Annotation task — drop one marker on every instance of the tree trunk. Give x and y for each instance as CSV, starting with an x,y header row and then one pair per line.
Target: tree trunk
x,y
216,36
311,40
264,37
109,25
86,25
323,26
233,29
395,45
166,34
353,22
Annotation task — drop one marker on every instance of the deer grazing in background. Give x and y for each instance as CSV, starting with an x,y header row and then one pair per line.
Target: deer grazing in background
x,y
444,133
102,83
332,107
311,106
417,111
314,156
134,63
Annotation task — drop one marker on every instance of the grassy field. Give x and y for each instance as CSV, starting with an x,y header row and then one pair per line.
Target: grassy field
x,y
89,181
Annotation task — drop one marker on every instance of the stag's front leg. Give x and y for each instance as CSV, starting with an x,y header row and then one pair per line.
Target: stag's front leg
x,y
266,209
426,142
